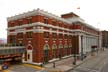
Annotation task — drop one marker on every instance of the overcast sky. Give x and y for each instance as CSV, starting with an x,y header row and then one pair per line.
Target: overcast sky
x,y
94,12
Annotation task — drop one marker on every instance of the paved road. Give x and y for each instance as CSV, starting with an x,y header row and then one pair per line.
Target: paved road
x,y
98,63
105,68
21,68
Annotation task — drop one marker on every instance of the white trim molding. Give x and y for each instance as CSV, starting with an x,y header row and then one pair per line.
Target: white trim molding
x,y
39,28
36,12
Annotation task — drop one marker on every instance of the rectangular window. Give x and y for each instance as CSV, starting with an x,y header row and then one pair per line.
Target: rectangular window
x,y
29,21
46,21
20,23
12,39
53,22
54,35
60,36
60,24
20,35
29,34
46,35
70,37
65,36
11,24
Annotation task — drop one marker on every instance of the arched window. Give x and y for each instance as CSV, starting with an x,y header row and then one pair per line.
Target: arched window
x,y
60,50
60,46
66,49
46,52
54,48
46,47
70,48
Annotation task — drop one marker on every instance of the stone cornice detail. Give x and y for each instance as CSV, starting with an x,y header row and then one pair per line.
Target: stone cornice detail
x,y
37,12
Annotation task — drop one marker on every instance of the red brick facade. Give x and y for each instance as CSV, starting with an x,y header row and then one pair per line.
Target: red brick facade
x,y
46,36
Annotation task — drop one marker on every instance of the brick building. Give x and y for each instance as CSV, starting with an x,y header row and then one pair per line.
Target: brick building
x,y
104,38
48,37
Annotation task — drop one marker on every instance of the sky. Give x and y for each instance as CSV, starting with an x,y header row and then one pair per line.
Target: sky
x,y
94,12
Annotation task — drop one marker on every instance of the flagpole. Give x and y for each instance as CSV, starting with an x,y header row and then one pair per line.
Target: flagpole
x,y
81,38
78,8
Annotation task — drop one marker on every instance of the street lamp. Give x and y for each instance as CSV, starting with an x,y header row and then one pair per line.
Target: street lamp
x,y
54,64
74,62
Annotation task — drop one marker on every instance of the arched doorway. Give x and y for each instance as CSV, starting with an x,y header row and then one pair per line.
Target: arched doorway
x,y
60,50
54,49
46,53
28,54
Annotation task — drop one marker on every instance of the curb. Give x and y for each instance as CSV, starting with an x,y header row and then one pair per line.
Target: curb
x,y
34,66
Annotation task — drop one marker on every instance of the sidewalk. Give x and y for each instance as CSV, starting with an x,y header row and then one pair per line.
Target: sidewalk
x,y
65,65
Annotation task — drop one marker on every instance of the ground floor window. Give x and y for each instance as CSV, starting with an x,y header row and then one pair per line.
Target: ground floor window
x,y
60,51
70,48
54,48
46,53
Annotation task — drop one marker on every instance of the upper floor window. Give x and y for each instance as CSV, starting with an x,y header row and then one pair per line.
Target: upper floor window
x,y
70,37
20,23
46,35
20,35
29,21
54,35
54,22
11,24
65,26
60,24
60,36
12,39
29,34
66,36
45,20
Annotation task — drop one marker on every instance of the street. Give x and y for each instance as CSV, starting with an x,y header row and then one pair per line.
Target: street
x,y
22,68
105,68
97,63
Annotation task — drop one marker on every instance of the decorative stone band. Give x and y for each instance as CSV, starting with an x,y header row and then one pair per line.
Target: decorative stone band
x,y
36,12
50,15
38,27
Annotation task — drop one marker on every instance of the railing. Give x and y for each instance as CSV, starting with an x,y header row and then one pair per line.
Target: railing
x,y
12,49
11,44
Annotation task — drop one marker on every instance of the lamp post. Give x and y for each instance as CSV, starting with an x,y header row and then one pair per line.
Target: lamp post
x,y
53,64
74,62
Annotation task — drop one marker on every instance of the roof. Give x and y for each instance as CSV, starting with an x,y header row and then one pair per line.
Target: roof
x,y
36,12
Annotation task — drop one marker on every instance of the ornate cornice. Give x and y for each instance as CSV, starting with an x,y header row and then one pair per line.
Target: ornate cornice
x,y
37,12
